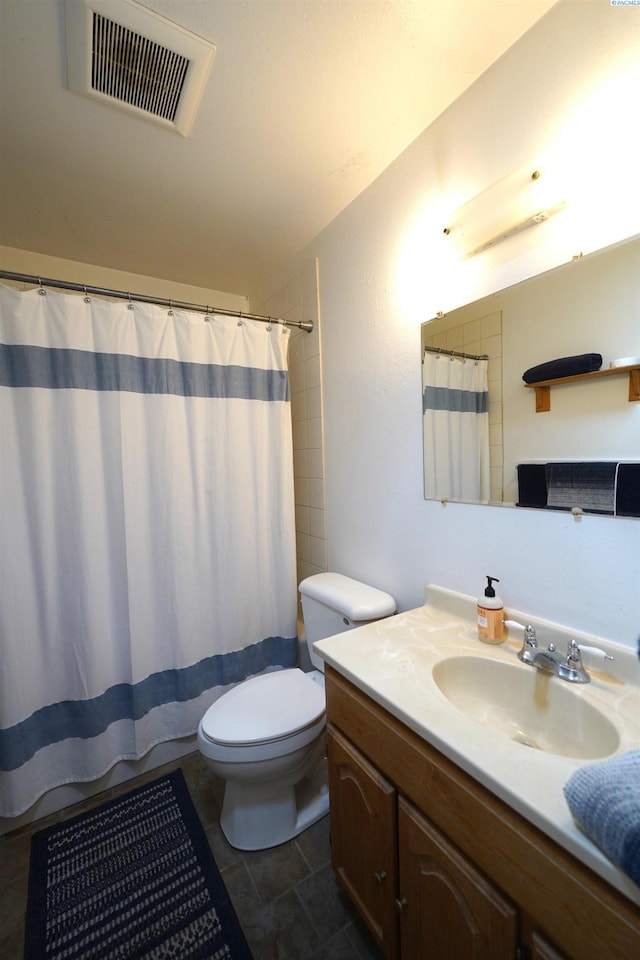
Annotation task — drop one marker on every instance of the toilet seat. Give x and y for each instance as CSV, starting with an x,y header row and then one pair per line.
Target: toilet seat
x,y
265,709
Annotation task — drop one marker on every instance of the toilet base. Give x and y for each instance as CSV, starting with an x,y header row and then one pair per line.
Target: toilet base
x,y
257,816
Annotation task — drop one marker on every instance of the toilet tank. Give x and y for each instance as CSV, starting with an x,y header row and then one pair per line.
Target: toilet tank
x,y
333,603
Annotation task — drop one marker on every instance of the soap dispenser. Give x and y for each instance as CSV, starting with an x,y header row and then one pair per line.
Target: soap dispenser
x,y
490,614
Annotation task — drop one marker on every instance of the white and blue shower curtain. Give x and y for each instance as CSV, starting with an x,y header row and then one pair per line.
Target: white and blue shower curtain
x,y
455,410
147,542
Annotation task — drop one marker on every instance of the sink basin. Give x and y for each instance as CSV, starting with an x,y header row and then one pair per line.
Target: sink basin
x,y
527,706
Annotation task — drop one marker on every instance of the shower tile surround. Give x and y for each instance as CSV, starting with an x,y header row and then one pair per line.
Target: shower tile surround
x,y
481,335
287,900
297,299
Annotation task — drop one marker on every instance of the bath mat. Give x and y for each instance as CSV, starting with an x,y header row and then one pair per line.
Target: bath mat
x,y
132,879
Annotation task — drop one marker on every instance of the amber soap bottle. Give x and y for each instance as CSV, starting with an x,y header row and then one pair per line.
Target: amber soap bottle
x,y
490,614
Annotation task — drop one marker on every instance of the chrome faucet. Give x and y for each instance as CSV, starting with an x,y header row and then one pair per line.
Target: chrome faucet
x,y
568,666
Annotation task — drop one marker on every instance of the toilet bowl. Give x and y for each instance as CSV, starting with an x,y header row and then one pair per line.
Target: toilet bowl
x,y
266,736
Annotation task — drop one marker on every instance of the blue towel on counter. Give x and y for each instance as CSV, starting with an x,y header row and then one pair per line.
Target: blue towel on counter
x,y
563,367
604,799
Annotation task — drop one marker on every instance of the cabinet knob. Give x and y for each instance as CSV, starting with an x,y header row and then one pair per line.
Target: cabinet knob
x,y
380,877
402,904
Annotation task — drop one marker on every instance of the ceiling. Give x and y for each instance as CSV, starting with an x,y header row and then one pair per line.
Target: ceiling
x,y
306,104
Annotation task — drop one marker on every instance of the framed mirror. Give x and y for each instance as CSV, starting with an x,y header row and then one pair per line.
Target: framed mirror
x,y
588,306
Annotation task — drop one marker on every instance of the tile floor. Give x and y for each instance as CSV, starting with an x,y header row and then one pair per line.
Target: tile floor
x,y
287,900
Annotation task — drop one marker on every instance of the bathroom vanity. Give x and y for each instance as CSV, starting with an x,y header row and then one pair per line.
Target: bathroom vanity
x,y
449,833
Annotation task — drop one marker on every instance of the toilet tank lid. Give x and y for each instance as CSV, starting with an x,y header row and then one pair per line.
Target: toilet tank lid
x,y
265,708
354,599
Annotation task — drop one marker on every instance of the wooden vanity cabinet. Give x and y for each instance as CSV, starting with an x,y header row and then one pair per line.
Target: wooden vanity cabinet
x,y
440,868
363,838
449,908
380,844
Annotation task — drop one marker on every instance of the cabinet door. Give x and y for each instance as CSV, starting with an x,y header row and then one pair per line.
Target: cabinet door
x,y
363,838
535,944
541,949
451,911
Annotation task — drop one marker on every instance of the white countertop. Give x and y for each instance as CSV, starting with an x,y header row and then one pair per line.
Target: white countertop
x,y
392,660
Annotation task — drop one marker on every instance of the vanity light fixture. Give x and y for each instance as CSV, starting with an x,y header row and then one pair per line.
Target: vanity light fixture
x,y
522,199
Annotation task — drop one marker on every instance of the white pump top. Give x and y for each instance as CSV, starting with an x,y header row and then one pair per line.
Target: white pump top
x,y
351,598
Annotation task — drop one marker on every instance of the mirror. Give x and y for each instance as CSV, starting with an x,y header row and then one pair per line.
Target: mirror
x,y
589,305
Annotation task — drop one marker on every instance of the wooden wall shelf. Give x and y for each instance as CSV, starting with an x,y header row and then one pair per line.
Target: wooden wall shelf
x,y
543,387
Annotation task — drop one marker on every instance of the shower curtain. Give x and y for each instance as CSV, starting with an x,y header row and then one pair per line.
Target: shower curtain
x,y
455,408
147,555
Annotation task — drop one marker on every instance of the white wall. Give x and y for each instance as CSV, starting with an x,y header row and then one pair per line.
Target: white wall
x,y
384,266
71,271
591,306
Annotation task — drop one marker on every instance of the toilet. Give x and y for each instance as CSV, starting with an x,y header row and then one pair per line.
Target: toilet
x,y
265,737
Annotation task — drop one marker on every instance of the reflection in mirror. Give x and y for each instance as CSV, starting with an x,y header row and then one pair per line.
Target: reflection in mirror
x,y
590,305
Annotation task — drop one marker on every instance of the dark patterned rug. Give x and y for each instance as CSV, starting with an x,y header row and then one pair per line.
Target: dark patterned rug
x,y
132,879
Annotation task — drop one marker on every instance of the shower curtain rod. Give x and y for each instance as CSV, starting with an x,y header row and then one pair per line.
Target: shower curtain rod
x,y
456,353
140,298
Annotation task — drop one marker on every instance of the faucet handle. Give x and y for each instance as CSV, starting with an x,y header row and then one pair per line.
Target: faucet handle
x,y
574,653
529,640
595,652
529,632
574,658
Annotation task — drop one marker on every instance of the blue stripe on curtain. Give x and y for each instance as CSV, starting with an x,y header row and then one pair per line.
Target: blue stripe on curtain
x,y
88,718
61,369
459,401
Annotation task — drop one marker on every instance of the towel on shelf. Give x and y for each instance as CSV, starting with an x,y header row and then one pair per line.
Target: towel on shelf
x,y
628,490
532,485
591,486
604,799
563,367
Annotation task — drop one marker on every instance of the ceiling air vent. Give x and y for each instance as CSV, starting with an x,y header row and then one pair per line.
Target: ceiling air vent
x,y
128,56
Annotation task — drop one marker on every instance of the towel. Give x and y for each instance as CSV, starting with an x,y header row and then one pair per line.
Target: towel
x,y
563,367
604,799
532,485
628,490
591,486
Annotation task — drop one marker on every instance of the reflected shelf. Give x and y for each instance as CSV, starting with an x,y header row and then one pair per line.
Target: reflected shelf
x,y
543,387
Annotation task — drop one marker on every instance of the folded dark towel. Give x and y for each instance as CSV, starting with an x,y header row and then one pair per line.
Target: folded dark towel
x,y
532,485
591,486
563,367
604,799
628,490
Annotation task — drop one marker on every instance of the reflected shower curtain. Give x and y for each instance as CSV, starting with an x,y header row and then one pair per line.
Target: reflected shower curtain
x,y
455,408
146,528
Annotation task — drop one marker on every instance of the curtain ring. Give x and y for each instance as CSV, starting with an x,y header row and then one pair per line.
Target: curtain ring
x,y
41,289
207,318
130,304
87,298
170,310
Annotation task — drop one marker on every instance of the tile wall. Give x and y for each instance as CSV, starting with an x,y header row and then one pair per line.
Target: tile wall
x,y
297,299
